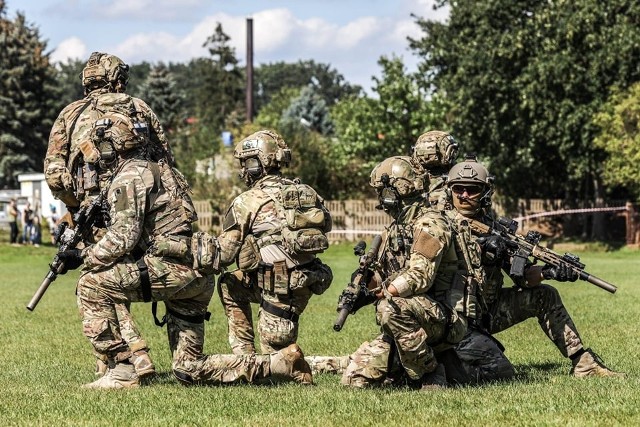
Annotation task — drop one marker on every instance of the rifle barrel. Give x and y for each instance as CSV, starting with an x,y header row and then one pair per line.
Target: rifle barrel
x,y
598,282
342,316
50,277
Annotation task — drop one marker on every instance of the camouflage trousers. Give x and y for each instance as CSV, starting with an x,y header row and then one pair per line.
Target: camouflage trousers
x,y
476,359
542,302
417,324
275,332
128,329
100,292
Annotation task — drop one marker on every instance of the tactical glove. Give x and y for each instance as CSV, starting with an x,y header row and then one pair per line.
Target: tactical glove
x,y
72,259
364,297
494,249
561,273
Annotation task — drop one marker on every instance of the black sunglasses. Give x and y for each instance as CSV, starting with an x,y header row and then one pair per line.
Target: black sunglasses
x,y
470,189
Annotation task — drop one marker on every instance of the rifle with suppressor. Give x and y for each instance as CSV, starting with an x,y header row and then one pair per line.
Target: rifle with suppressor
x,y
357,294
68,237
523,247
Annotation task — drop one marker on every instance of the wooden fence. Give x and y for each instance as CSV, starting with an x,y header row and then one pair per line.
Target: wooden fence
x,y
359,219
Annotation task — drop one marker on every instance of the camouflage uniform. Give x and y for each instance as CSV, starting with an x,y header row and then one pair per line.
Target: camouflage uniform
x,y
282,283
503,307
148,223
76,181
434,267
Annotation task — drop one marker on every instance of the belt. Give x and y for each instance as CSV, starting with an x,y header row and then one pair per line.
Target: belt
x,y
277,311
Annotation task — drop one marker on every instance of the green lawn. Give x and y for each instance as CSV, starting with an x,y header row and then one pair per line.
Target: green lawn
x,y
45,358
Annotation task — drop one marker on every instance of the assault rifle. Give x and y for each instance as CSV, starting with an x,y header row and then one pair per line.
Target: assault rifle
x,y
520,248
68,236
357,291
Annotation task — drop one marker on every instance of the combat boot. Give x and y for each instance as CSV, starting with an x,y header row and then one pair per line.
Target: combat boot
x,y
589,364
288,364
142,363
101,368
122,375
434,380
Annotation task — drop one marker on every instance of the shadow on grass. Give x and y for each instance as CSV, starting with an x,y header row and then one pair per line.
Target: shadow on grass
x,y
535,372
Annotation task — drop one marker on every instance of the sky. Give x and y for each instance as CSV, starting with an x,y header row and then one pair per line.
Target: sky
x,y
351,35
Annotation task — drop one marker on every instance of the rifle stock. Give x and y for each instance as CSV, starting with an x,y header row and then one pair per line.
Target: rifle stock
x,y
528,246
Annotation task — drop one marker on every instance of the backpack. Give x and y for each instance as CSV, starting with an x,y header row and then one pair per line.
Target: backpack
x,y
305,220
106,123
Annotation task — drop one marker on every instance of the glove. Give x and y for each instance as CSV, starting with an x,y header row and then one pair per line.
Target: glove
x,y
363,298
366,277
494,249
72,259
561,273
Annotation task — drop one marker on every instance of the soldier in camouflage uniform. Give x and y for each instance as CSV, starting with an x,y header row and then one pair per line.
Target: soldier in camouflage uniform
x,y
273,232
73,171
426,280
503,307
146,255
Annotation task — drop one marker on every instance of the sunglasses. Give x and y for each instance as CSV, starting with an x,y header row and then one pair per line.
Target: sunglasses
x,y
471,190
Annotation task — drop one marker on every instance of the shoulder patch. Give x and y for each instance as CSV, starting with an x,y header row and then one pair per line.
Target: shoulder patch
x,y
229,220
120,201
426,244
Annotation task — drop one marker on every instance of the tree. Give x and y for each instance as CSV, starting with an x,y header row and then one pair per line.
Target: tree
x,y
619,137
160,91
369,130
68,79
327,82
29,99
310,110
523,80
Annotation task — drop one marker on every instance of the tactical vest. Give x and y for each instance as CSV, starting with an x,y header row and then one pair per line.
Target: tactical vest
x,y
303,225
464,263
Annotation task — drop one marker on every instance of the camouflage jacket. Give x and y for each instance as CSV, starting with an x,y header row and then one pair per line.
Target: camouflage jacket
x,y
138,207
74,124
426,252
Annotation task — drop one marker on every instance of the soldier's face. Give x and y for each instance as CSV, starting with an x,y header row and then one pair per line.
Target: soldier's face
x,y
466,197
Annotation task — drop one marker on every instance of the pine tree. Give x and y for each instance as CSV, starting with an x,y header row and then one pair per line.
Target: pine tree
x,y
160,91
27,98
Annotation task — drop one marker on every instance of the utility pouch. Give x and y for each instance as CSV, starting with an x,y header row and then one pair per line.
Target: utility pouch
x,y
205,250
249,256
90,177
304,241
265,276
280,278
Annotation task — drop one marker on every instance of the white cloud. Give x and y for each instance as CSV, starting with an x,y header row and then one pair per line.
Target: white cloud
x,y
71,48
352,48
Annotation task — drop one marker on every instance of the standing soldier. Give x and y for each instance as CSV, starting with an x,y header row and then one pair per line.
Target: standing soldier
x,y
273,231
503,307
76,168
149,253
426,280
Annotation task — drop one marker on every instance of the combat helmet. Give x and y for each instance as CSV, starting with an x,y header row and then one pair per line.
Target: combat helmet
x,y
104,69
261,153
434,150
395,180
471,186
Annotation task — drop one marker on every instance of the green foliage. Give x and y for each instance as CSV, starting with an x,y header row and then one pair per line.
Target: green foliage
x,y
620,138
523,80
45,359
270,79
309,110
369,130
68,79
160,91
271,113
28,98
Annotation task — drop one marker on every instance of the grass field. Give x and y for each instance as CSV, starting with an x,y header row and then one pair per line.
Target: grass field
x,y
45,358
